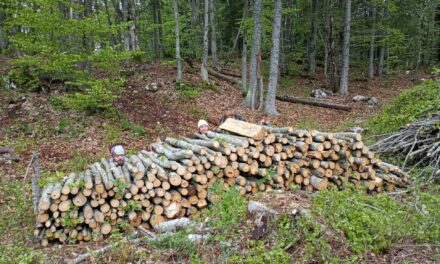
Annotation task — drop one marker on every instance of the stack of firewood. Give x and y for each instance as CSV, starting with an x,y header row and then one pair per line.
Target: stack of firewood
x,y
172,181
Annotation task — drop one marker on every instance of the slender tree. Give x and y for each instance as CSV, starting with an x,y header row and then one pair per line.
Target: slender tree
x,y
176,21
343,86
204,68
270,108
244,51
252,95
215,63
193,4
372,47
313,38
330,46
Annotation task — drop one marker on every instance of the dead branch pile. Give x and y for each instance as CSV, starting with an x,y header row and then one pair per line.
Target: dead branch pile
x,y
418,144
172,181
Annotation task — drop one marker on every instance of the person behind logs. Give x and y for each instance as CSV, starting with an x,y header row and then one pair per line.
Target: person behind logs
x,y
231,114
118,155
202,127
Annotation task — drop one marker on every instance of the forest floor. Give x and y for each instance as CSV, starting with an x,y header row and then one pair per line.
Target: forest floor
x,y
69,141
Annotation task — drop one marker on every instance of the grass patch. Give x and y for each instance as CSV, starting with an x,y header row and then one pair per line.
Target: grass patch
x,y
411,105
199,113
307,123
178,242
137,130
16,224
190,91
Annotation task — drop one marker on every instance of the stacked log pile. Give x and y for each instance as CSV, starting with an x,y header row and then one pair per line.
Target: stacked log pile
x,y
172,181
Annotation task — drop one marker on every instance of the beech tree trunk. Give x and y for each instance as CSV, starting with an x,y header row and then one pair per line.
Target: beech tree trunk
x,y
343,86
178,62
381,61
195,37
215,63
313,37
204,67
244,52
252,95
270,108
372,47
330,44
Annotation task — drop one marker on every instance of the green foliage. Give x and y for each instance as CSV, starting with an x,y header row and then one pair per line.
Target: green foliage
x,y
55,50
411,105
178,242
112,133
120,188
189,91
258,254
208,86
47,178
228,211
17,220
137,130
135,206
97,98
374,223
312,234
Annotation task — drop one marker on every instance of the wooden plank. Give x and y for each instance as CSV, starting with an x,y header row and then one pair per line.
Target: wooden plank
x,y
243,128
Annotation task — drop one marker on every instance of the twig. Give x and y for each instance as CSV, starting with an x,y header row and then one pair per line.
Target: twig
x,y
412,147
27,169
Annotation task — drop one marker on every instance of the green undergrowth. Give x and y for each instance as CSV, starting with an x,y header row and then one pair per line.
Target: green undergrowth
x,y
16,224
411,105
226,214
376,223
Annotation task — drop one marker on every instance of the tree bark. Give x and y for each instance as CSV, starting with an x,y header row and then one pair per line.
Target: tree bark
x,y
204,67
381,61
343,86
313,102
372,47
176,21
244,52
270,108
313,37
252,95
215,63
330,44
193,27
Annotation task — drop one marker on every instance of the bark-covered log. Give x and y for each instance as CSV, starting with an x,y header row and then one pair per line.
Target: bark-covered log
x,y
313,102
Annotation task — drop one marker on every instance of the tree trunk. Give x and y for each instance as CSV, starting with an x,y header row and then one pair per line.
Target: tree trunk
x,y
204,68
372,47
4,42
244,52
313,37
193,27
252,95
213,36
381,61
270,108
132,28
178,63
343,86
330,44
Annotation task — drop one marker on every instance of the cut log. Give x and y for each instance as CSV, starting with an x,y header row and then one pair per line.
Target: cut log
x,y
313,102
243,128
